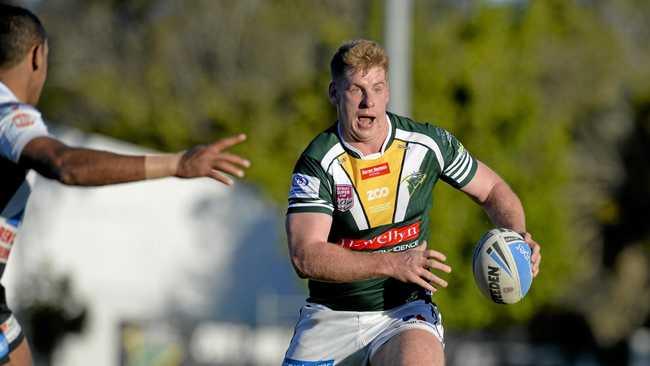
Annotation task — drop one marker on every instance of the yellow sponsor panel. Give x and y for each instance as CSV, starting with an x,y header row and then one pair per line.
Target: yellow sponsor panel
x,y
377,182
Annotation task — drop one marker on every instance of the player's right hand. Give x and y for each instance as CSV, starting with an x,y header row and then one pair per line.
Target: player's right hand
x,y
213,161
415,266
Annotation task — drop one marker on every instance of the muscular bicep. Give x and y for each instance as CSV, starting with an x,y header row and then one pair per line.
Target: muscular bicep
x,y
308,227
481,185
306,231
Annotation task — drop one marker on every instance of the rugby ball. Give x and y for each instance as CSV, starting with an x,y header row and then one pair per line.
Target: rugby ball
x,y
502,268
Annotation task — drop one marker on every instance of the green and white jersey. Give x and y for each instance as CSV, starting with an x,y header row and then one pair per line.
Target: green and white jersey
x,y
379,202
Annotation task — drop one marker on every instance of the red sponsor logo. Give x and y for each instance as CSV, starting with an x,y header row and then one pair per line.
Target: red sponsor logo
x,y
4,254
388,238
375,171
22,120
7,236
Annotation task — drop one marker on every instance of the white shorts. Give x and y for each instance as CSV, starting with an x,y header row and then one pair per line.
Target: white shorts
x,y
326,337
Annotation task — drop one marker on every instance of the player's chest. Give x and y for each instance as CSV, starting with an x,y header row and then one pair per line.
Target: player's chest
x,y
379,191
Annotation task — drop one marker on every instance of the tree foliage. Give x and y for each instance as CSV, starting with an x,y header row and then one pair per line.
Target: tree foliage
x,y
536,90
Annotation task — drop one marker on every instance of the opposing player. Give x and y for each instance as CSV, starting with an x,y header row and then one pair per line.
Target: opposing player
x,y
25,144
358,220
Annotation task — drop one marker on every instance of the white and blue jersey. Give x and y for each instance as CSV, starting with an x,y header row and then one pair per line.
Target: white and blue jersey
x,y
19,124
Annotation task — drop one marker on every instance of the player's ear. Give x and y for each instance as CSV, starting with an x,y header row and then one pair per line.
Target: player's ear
x,y
37,55
333,93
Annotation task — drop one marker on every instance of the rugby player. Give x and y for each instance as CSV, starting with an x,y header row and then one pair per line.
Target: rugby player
x,y
358,220
25,144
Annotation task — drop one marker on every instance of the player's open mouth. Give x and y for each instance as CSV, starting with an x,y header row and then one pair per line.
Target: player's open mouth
x,y
365,120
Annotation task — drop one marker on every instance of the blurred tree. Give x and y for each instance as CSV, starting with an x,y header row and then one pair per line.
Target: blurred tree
x,y
544,92
168,73
507,80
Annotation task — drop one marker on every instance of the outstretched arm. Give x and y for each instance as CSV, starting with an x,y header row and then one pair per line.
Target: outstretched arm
x,y
502,206
87,167
313,257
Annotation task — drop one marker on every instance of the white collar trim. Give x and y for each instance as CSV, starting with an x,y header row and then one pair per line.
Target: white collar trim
x,y
6,95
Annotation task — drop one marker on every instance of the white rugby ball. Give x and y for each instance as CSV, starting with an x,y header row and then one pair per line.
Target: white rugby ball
x,y
502,268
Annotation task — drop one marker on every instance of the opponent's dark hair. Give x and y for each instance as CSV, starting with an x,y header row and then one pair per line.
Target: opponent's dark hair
x,y
20,30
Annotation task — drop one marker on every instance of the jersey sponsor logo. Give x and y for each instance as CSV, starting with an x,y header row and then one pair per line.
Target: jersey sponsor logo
x,y
375,171
376,193
400,247
10,329
7,236
414,180
4,254
344,197
304,186
380,207
388,238
23,120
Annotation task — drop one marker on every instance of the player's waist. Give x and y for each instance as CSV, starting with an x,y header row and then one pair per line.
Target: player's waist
x,y
370,295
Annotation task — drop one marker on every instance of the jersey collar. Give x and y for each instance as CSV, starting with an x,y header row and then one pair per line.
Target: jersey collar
x,y
6,95
357,154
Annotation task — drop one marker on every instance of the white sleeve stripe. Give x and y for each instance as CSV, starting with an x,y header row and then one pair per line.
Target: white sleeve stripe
x,y
456,161
310,201
311,205
458,167
466,166
466,172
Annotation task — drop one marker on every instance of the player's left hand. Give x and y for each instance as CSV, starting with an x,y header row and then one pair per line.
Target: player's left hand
x,y
536,257
213,161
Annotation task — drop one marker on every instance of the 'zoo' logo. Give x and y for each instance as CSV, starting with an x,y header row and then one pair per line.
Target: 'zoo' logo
x,y
373,194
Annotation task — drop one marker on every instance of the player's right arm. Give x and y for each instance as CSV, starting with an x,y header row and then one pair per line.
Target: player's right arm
x,y
87,167
313,257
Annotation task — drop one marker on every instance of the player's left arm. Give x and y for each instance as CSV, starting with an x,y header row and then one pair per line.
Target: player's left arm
x,y
502,205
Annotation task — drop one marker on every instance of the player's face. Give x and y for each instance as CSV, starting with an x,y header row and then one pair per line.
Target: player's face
x,y
361,99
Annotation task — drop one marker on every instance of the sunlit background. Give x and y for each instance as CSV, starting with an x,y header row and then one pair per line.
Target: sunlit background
x,y
552,94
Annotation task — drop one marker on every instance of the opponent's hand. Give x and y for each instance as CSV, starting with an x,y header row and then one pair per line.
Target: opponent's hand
x,y
415,266
212,161
536,257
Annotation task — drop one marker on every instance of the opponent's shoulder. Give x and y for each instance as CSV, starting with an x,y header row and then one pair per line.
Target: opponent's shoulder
x,y
323,144
19,114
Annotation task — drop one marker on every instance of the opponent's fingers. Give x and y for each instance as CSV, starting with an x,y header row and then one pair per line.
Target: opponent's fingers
x,y
235,159
214,174
433,264
228,142
229,168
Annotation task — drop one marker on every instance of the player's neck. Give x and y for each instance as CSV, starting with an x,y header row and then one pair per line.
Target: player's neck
x,y
13,80
369,146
